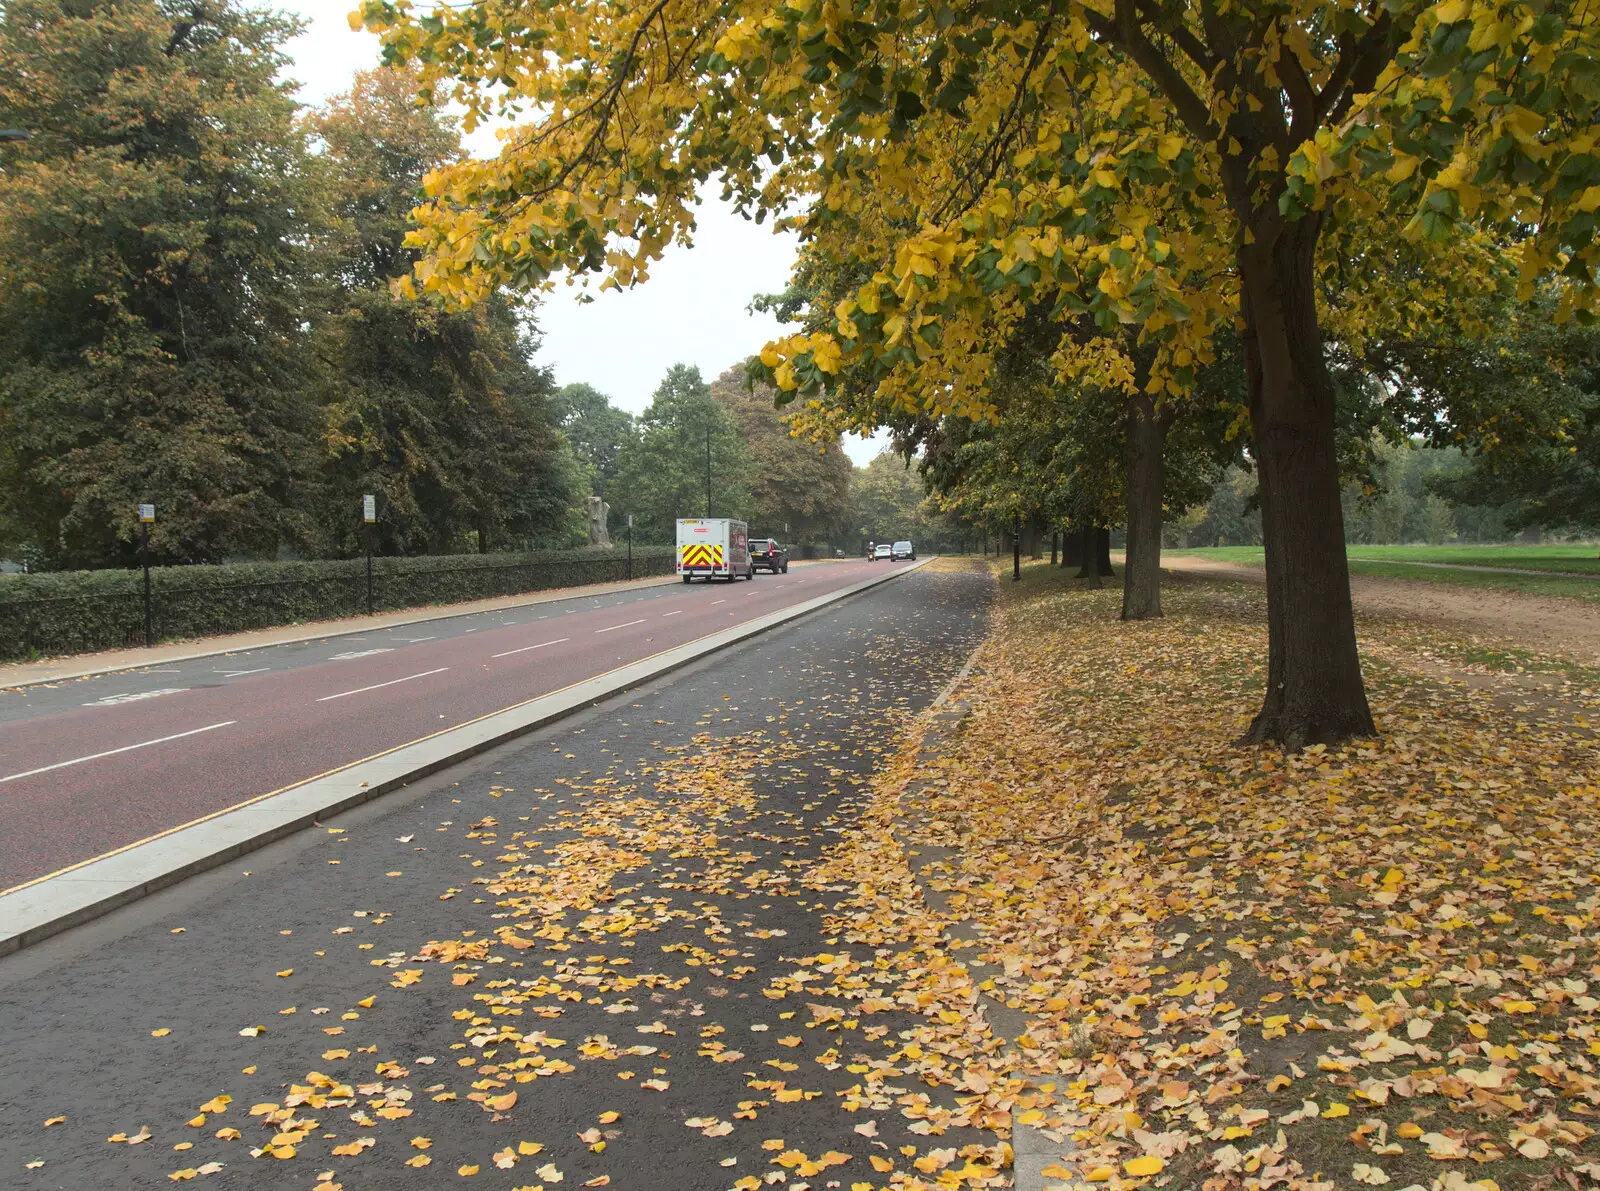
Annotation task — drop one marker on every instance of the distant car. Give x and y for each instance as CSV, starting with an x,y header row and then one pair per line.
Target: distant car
x,y
903,550
882,550
765,552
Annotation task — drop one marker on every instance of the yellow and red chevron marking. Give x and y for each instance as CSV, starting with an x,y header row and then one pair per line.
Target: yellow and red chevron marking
x,y
701,554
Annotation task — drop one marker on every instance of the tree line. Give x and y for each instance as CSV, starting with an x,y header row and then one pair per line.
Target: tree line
x,y
197,310
1116,248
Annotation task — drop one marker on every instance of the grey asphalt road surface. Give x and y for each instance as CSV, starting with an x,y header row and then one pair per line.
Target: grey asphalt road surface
x,y
604,918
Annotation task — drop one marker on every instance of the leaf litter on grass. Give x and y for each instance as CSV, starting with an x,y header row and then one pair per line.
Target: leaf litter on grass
x,y
1244,969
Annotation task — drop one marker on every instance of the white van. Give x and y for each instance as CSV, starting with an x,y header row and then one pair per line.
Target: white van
x,y
714,548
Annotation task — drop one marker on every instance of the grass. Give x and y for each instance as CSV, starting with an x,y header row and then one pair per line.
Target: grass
x,y
1401,562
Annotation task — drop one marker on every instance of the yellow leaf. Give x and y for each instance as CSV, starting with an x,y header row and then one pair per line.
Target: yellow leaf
x,y
1147,1165
161,1033
287,972
466,1171
418,1160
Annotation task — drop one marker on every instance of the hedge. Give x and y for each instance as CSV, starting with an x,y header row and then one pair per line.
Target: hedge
x,y
78,611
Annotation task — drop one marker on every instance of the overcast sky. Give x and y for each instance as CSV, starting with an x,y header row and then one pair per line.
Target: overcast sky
x,y
693,308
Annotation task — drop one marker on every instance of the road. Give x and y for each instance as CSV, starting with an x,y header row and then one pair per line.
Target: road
x,y
93,765
661,910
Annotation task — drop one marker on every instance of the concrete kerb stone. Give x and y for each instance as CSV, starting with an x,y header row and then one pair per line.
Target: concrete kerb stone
x,y
71,898
1032,1149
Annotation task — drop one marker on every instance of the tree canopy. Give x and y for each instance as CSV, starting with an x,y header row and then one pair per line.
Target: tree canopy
x,y
1284,171
195,308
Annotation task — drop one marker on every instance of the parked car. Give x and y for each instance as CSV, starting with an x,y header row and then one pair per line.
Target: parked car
x,y
882,550
766,552
903,550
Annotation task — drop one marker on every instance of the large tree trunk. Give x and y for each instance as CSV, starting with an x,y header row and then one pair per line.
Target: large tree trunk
x,y
1314,689
1141,568
1102,550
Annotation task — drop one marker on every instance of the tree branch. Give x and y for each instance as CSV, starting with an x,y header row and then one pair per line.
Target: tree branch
x,y
994,152
1127,33
1192,46
1357,70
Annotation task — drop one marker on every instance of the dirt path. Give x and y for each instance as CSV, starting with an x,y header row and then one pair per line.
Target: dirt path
x,y
1529,621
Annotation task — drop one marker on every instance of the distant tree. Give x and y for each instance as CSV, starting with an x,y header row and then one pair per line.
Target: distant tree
x,y
440,413
597,430
685,439
156,244
793,481
891,502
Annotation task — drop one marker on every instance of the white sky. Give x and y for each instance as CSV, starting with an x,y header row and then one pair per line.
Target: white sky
x,y
692,310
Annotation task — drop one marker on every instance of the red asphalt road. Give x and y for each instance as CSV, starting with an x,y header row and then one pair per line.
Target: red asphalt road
x,y
294,725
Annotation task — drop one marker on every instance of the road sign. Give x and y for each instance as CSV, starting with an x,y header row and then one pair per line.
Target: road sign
x,y
147,514
369,508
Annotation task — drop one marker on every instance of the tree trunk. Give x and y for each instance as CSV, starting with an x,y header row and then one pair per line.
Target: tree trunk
x,y
1071,547
1314,690
1054,550
1030,538
1141,568
1089,566
1102,549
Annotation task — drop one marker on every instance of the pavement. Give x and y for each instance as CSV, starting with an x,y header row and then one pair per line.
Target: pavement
x,y
611,918
97,764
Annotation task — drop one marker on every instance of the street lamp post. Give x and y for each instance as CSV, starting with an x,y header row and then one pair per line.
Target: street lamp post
x,y
147,516
369,516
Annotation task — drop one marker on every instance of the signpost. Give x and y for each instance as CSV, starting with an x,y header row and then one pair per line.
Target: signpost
x,y
147,516
369,516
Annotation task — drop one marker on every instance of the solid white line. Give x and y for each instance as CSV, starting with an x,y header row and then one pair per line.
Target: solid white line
x,y
376,685
127,748
525,648
615,627
414,640
237,673
671,613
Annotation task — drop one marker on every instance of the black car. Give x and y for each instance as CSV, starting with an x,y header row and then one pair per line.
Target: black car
x,y
765,552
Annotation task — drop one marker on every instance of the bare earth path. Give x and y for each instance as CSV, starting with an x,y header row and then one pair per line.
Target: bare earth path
x,y
1535,622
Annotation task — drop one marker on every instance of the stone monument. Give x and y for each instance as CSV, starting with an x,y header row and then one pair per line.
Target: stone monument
x,y
599,512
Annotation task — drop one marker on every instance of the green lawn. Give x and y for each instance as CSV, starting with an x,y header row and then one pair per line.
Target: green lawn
x,y
1581,559
1398,562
